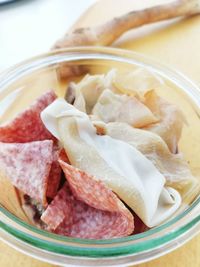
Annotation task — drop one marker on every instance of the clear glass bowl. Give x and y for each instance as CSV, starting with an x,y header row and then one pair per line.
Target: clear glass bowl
x,y
26,81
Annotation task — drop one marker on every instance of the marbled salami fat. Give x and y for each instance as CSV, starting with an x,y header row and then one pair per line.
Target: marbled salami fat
x,y
28,165
28,126
93,211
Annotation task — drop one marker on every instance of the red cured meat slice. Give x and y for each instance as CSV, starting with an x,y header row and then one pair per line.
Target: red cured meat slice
x,y
28,165
90,223
59,208
70,217
90,190
87,222
93,210
140,227
55,175
28,126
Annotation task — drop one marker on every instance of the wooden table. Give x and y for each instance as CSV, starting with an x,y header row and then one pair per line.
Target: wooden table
x,y
176,44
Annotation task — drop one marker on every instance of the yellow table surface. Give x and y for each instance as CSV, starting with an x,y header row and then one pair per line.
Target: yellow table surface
x,y
176,44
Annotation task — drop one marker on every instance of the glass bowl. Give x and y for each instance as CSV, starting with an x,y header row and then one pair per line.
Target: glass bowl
x,y
26,81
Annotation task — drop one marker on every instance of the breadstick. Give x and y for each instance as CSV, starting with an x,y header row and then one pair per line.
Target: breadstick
x,y
107,33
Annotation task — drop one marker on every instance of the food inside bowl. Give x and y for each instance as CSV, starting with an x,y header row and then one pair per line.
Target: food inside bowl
x,y
101,163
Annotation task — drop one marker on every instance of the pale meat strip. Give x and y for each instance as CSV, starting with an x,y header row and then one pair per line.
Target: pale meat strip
x,y
173,166
171,120
112,107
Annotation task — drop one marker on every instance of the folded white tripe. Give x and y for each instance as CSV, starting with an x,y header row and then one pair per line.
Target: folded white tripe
x,y
123,168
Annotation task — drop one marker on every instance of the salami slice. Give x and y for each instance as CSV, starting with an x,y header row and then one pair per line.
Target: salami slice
x,y
59,209
28,126
87,209
28,165
55,174
140,227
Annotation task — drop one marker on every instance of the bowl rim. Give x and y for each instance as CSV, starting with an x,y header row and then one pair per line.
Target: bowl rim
x,y
185,222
